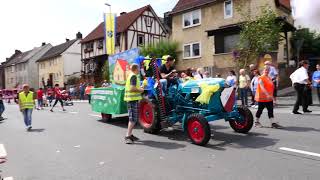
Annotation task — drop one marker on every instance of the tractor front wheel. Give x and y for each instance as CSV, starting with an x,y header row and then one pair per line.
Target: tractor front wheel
x,y
244,125
198,129
149,119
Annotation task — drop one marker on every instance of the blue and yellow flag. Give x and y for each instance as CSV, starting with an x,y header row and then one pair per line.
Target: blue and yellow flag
x,y
110,32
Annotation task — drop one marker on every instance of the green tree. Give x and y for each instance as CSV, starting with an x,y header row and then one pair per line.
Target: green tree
x,y
306,41
259,34
105,71
160,49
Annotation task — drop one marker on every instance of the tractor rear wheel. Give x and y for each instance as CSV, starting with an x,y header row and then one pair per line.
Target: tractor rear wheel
x,y
105,117
149,119
198,129
246,124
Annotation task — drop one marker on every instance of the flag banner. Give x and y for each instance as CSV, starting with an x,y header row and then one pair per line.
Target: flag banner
x,y
110,32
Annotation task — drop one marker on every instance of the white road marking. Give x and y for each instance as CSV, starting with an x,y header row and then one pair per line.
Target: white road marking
x,y
73,112
78,146
8,178
300,151
95,115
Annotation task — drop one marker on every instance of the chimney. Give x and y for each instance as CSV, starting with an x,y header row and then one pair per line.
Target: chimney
x,y
43,43
17,51
67,40
79,35
123,13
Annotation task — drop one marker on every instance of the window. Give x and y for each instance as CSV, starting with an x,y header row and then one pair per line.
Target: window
x,y
226,43
228,9
12,69
140,40
230,42
100,44
191,19
191,50
89,47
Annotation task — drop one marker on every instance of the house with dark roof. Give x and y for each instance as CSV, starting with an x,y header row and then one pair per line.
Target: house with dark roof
x,y
134,29
21,68
208,31
60,63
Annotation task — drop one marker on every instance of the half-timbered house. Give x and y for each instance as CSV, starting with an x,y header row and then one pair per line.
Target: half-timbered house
x,y
134,29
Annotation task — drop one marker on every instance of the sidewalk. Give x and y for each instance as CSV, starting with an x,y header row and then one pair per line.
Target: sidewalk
x,y
289,91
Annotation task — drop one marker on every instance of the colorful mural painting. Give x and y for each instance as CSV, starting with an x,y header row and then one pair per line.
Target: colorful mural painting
x,y
119,65
272,57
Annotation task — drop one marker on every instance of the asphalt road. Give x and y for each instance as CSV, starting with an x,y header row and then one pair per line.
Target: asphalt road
x,y
74,145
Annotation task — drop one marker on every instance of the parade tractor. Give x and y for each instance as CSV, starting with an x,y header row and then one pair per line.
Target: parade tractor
x,y
194,104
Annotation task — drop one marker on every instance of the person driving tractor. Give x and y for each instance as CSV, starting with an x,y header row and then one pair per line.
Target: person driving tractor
x,y
168,73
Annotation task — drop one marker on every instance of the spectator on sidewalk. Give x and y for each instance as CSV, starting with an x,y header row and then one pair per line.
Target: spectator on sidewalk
x,y
40,98
254,85
264,97
88,92
132,96
252,68
232,79
26,105
300,81
244,83
1,107
199,74
316,80
273,73
82,90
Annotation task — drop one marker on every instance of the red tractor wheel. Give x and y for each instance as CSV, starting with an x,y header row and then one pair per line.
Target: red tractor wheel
x,y
106,117
246,124
198,129
149,119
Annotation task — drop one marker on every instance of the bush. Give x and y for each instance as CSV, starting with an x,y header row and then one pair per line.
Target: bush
x,y
160,49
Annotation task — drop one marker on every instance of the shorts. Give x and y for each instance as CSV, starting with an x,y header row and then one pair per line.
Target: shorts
x,y
133,110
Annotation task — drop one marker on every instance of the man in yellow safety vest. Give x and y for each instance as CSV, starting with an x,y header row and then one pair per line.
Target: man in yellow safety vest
x,y
26,104
132,96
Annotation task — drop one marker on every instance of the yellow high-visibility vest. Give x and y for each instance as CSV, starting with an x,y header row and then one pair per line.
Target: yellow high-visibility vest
x,y
132,96
27,102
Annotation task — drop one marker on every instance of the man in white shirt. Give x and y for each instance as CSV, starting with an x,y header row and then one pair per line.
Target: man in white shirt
x,y
300,80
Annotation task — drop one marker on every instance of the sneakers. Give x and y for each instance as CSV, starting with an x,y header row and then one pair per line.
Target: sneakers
x,y
258,124
276,126
133,138
128,140
51,110
296,112
307,111
64,110
29,128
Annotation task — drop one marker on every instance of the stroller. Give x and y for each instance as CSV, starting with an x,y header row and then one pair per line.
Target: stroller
x,y
66,98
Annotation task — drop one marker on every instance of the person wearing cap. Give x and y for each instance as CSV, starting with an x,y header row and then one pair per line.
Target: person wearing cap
x,y
26,105
300,81
1,107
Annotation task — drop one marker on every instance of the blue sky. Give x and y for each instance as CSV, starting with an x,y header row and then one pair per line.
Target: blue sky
x,y
27,23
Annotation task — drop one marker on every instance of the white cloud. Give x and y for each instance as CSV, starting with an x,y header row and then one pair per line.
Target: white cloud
x,y
27,23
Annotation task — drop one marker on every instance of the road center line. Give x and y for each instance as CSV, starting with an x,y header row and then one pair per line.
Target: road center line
x,y
300,151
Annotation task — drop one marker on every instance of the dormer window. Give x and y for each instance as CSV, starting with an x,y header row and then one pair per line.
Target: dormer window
x,y
192,19
228,9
